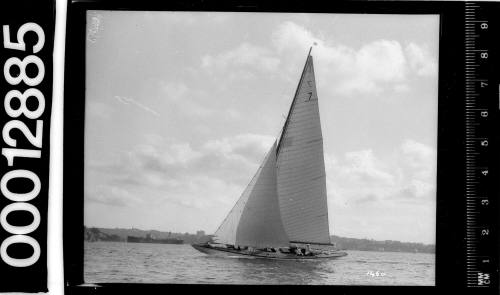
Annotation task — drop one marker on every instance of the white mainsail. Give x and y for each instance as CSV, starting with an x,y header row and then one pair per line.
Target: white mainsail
x,y
301,166
255,220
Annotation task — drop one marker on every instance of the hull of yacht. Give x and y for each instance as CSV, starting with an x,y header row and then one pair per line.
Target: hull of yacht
x,y
233,253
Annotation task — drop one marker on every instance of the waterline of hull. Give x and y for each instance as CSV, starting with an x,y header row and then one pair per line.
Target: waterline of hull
x,y
223,252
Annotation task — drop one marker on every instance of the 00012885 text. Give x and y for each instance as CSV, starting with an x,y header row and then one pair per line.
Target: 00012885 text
x,y
20,200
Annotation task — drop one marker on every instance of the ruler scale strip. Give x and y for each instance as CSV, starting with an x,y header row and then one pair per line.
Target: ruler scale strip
x,y
477,55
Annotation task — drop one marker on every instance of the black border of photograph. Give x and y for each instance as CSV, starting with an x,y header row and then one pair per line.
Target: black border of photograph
x,y
450,262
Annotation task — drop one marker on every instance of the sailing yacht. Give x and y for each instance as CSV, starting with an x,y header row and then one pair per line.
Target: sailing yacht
x,y
283,212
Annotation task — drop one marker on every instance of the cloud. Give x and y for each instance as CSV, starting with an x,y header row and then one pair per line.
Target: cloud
x,y
184,100
402,88
369,198
290,35
417,189
110,195
162,174
215,172
249,146
419,159
245,56
418,154
370,192
381,65
187,102
381,61
130,101
421,61
361,177
365,167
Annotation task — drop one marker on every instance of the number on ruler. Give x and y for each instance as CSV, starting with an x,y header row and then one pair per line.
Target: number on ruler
x,y
484,26
485,172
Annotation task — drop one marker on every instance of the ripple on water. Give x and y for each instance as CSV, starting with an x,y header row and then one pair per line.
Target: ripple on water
x,y
160,263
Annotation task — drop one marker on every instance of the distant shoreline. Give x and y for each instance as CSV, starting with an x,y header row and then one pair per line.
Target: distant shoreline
x,y
343,243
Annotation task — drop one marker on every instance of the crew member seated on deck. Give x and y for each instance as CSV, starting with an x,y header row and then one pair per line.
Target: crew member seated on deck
x,y
308,250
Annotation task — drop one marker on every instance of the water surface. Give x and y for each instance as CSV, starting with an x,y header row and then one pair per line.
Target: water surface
x,y
115,262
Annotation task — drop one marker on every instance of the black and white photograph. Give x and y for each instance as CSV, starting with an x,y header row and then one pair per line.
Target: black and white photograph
x,y
260,148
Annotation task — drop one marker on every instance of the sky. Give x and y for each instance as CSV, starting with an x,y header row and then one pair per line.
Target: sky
x,y
181,109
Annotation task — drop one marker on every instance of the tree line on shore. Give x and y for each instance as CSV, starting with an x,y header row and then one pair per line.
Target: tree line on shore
x,y
94,234
386,246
